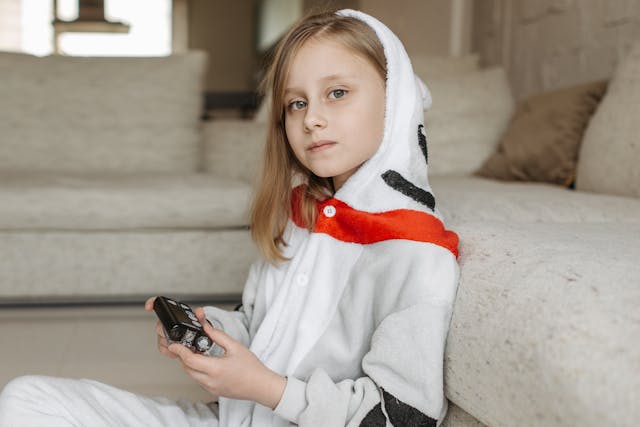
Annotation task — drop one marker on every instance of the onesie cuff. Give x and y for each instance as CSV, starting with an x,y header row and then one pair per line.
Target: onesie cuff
x,y
293,400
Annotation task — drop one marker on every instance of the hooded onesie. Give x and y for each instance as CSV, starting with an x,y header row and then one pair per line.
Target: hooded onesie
x,y
358,316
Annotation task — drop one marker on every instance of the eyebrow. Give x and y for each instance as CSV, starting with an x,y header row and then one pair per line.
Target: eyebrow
x,y
326,79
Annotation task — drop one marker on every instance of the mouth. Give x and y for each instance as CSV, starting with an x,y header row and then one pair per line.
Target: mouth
x,y
320,146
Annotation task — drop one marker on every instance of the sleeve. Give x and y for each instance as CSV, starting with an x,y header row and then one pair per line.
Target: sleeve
x,y
236,323
403,382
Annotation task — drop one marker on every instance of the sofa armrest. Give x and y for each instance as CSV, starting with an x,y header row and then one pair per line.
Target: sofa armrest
x,y
233,148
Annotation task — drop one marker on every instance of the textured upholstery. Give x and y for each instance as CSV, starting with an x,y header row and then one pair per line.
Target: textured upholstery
x,y
545,317
466,199
121,202
69,114
545,326
122,264
457,417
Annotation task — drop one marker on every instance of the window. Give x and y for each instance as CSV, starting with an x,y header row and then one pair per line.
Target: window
x,y
149,33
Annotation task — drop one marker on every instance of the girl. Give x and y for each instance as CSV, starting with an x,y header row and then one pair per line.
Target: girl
x,y
344,322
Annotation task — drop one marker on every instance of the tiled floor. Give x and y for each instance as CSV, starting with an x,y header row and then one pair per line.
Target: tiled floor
x,y
116,345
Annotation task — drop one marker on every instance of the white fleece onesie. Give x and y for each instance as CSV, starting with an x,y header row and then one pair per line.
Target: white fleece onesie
x,y
357,319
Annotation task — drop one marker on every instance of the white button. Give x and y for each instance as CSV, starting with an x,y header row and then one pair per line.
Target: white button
x,y
302,280
329,211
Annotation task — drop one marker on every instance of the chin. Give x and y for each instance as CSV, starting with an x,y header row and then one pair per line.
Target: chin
x,y
324,173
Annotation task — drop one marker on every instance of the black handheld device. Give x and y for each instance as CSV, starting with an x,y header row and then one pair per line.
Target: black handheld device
x,y
181,324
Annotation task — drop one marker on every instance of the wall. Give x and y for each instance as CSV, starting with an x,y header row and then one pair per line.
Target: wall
x,y
330,4
226,29
433,27
547,44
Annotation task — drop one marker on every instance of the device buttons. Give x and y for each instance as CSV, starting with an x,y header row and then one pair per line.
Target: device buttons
x,y
203,343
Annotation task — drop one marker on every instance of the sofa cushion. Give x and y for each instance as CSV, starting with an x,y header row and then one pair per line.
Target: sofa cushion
x,y
608,161
130,265
122,201
78,114
467,118
546,323
465,199
542,141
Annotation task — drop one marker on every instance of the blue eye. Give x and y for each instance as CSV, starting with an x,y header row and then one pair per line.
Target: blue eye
x,y
297,105
337,93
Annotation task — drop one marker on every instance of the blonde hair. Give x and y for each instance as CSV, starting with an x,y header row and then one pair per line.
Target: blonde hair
x,y
271,208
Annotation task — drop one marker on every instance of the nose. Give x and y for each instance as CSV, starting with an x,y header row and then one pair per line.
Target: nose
x,y
314,119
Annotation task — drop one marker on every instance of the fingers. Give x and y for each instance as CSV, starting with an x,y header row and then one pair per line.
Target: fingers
x,y
202,378
191,360
148,305
164,350
160,329
199,311
180,351
162,343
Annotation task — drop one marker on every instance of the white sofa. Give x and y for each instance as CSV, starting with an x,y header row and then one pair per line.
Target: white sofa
x,y
108,190
546,323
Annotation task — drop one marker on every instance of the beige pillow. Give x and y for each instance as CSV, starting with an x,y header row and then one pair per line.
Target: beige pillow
x,y
609,160
542,141
468,115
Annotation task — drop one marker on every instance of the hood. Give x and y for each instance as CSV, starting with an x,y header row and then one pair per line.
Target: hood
x,y
396,176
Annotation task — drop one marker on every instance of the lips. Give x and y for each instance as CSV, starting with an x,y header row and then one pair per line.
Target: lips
x,y
320,146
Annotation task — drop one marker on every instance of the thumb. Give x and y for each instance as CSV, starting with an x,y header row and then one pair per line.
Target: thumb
x,y
220,337
148,304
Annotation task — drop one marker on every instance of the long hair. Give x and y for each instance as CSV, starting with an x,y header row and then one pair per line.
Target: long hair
x,y
271,207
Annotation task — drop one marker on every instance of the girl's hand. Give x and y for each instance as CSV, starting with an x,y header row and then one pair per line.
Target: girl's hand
x,y
238,374
163,344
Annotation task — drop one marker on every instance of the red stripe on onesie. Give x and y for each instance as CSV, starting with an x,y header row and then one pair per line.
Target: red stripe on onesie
x,y
344,223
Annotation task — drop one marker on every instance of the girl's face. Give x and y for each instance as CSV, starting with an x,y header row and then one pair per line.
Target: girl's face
x,y
334,104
